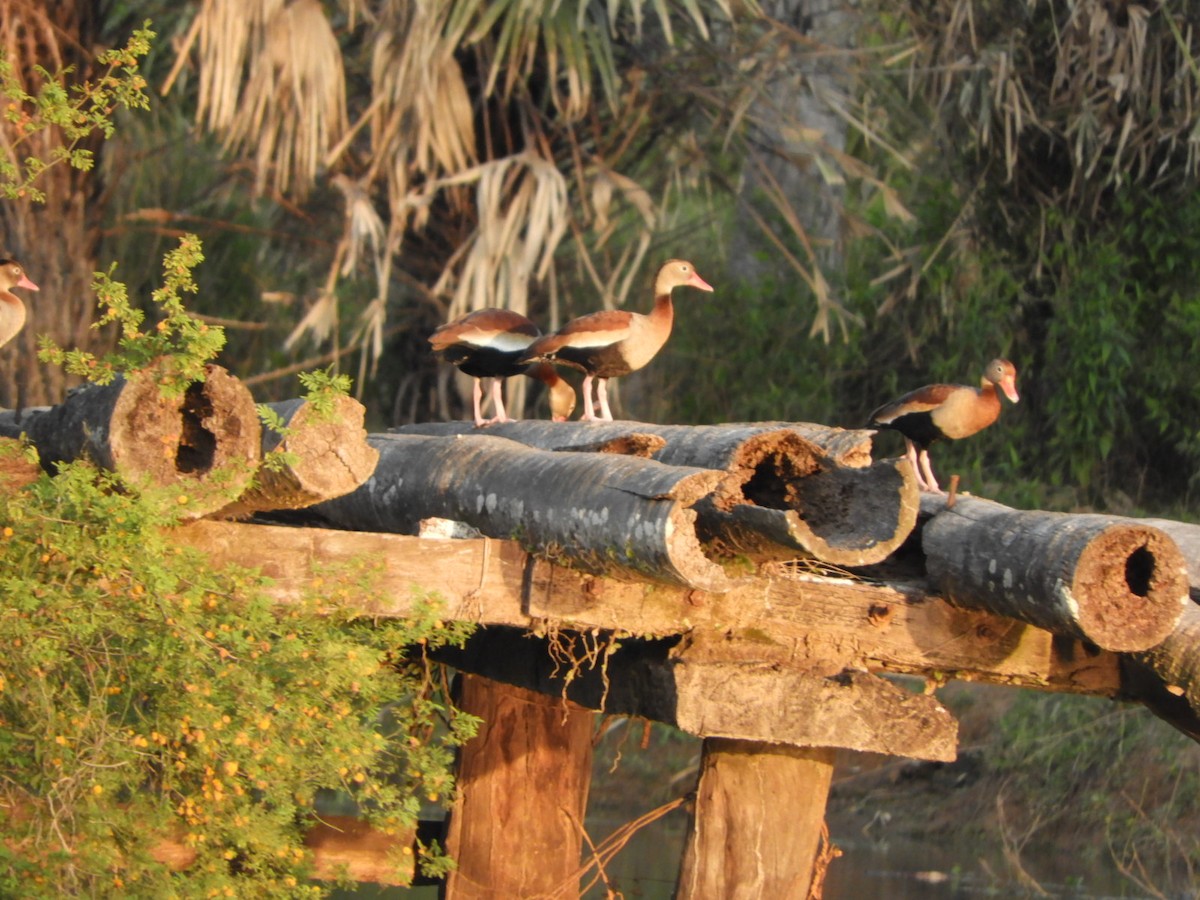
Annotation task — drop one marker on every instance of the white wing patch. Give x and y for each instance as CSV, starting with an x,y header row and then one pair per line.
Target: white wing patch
x,y
584,339
504,341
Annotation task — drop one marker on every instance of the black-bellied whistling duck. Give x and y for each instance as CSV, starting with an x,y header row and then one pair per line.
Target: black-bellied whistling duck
x,y
12,310
489,343
614,342
945,411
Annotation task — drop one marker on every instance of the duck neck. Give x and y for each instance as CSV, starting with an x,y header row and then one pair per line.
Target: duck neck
x,y
664,309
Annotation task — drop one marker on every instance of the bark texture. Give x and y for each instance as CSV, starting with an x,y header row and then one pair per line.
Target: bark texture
x,y
757,822
516,827
1176,661
330,457
600,512
206,441
794,489
1115,582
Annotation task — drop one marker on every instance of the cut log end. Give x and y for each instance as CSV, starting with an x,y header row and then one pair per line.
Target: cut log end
x,y
687,554
1130,585
787,497
212,427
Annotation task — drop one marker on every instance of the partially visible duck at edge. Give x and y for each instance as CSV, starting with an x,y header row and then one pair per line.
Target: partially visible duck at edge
x,y
945,412
613,343
12,310
489,343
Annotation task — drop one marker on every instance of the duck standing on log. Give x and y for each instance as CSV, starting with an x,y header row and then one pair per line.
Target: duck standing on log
x,y
12,310
945,411
489,343
615,342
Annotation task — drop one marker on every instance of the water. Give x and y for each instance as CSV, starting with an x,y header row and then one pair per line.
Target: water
x,y
888,868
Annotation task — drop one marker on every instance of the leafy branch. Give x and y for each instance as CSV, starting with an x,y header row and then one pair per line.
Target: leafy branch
x,y
78,111
179,345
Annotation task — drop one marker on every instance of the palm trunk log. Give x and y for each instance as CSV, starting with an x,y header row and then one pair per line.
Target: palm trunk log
x,y
602,512
327,456
1115,582
1176,661
793,489
206,441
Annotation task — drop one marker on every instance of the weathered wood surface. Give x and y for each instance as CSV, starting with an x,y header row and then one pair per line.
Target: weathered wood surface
x,y
1115,582
757,823
804,704
516,826
205,441
780,615
793,489
709,446
603,512
1176,661
328,457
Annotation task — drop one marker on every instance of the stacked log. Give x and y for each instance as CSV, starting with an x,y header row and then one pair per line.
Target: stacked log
x,y
322,454
791,489
208,443
205,441
1173,691
1118,583
601,512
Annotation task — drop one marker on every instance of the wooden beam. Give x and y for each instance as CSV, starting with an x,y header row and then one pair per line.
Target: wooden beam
x,y
781,616
757,823
783,704
516,826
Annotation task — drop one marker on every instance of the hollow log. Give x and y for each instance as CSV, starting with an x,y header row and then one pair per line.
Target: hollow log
x,y
329,455
1115,582
516,826
758,821
795,489
710,446
206,441
603,513
1176,661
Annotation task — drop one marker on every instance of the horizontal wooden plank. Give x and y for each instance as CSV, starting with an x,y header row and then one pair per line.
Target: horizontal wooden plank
x,y
823,623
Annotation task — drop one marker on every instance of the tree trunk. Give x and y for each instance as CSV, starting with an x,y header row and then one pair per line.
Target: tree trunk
x,y
516,827
55,241
599,511
757,824
206,442
1115,582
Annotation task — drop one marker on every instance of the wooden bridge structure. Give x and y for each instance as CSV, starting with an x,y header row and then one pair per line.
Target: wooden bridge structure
x,y
757,585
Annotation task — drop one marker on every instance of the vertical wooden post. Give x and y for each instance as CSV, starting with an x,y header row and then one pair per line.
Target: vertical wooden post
x,y
516,826
755,831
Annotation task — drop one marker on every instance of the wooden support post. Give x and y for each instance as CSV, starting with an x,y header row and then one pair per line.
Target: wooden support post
x,y
757,823
516,827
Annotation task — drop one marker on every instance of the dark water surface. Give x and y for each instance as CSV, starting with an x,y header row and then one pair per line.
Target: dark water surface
x,y
887,868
